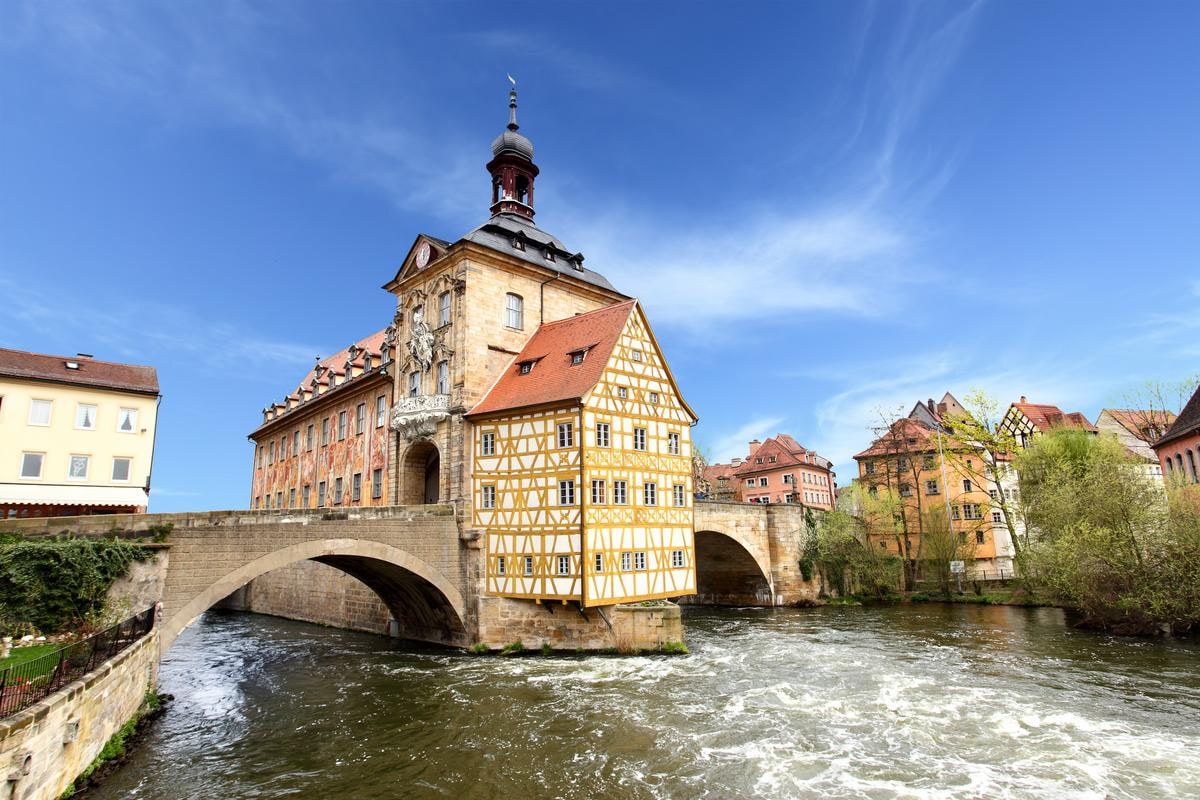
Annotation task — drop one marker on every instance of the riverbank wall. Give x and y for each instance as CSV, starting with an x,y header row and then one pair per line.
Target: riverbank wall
x,y
48,745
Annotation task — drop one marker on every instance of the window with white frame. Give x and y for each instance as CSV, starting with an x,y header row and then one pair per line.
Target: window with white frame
x,y
77,469
626,561
966,485
639,438
639,560
341,425
295,443
308,438
360,418
377,483
566,493
306,494
762,481
443,377
650,493
500,565
489,497
636,355
127,420
85,417
622,392
996,517
443,309
654,397
528,566
749,481
356,488
414,384
120,469
620,493
487,444
564,565
599,495
677,560
677,495
789,479
673,443
514,311
566,434
337,491
598,563
603,434
31,465
39,412
380,411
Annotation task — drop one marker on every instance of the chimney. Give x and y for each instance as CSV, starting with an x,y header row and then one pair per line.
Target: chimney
x,y
84,355
735,462
754,443
932,408
1023,400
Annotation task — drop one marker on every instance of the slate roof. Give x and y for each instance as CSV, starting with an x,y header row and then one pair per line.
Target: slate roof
x,y
498,234
1188,421
90,372
1044,417
553,378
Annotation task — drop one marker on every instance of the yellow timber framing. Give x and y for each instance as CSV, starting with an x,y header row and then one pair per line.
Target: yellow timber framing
x,y
527,466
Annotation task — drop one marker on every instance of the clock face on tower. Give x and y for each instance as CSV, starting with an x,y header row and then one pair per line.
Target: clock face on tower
x,y
423,254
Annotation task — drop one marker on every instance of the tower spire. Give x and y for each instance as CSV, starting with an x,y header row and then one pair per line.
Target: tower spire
x,y
512,168
512,104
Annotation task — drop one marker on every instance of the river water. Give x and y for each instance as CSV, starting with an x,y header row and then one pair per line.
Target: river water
x,y
838,702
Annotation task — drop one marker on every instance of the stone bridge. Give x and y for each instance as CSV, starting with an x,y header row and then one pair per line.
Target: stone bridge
x,y
425,571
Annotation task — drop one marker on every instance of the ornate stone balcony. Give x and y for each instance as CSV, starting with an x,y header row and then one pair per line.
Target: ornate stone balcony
x,y
417,417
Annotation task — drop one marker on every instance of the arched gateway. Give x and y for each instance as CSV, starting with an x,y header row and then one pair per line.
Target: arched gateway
x,y
408,556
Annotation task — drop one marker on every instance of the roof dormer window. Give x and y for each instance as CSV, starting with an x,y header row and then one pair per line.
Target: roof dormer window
x,y
525,367
577,357
548,254
72,364
518,242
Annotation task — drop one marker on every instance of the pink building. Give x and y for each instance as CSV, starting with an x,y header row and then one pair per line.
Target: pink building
x,y
781,470
1179,448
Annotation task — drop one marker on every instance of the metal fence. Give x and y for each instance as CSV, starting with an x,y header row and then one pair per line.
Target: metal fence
x,y
22,685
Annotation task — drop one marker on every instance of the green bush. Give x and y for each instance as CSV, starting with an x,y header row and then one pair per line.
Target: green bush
x,y
512,648
56,584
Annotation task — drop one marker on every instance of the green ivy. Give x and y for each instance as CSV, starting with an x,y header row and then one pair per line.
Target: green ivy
x,y
57,584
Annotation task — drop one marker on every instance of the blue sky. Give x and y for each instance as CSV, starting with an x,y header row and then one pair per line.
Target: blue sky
x,y
827,208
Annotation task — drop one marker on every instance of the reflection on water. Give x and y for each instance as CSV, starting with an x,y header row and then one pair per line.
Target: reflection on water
x,y
846,702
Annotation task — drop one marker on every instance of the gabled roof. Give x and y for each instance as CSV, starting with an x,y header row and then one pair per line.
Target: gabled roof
x,y
553,378
716,472
787,452
1044,417
1136,420
905,428
89,371
1188,421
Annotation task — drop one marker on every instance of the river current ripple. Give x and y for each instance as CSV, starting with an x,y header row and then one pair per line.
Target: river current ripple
x,y
836,702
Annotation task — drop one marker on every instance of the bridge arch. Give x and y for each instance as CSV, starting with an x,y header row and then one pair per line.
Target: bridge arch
x,y
425,601
731,570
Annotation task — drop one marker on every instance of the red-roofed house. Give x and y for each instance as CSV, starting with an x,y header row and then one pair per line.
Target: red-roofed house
x,y
1137,430
781,470
1025,420
582,475
76,435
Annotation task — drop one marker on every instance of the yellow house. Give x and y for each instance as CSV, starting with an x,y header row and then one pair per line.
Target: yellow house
x,y
76,435
581,474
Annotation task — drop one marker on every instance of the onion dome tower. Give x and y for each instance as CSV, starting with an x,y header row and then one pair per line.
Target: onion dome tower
x,y
512,168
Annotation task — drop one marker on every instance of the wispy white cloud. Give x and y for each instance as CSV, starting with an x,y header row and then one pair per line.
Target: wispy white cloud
x,y
138,329
733,443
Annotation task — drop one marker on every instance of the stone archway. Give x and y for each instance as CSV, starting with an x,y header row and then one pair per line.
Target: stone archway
x,y
420,474
728,574
426,605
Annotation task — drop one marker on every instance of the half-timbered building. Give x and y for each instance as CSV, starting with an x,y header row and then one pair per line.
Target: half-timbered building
x,y
582,466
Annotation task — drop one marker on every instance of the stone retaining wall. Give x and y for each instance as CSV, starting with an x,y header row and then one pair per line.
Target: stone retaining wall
x,y
46,746
625,628
314,592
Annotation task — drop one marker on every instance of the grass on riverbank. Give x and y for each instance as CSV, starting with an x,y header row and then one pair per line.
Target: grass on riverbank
x,y
19,655
989,599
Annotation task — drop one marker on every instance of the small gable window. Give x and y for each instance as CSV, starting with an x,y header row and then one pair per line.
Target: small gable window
x,y
577,357
637,355
524,367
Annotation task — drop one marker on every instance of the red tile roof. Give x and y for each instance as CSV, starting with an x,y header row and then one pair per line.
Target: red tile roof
x,y
553,378
1045,417
715,472
97,374
905,428
788,453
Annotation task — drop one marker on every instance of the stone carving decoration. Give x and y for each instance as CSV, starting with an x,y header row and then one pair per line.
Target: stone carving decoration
x,y
417,418
420,344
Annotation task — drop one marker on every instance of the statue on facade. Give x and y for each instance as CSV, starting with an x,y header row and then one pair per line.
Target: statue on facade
x,y
420,344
